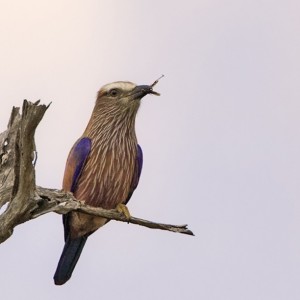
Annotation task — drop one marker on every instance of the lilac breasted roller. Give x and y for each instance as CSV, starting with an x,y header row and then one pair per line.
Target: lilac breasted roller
x,y
103,167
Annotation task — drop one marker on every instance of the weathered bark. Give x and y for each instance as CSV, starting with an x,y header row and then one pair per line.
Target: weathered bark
x,y
27,201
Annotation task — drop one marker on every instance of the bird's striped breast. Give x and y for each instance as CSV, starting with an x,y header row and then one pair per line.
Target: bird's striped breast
x,y
106,178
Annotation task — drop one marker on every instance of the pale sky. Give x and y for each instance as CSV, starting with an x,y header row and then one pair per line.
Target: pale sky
x,y
221,145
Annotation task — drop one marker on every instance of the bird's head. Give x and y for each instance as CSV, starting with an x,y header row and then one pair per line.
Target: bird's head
x,y
116,106
123,95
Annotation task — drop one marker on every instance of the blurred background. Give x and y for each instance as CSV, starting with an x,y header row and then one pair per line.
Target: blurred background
x,y
221,145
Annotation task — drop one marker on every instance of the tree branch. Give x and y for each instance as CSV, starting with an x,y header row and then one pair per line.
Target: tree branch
x,y
27,201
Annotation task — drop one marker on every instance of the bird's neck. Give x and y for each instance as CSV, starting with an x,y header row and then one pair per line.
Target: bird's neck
x,y
112,125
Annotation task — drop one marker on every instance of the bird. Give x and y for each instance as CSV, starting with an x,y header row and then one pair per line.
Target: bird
x,y
103,167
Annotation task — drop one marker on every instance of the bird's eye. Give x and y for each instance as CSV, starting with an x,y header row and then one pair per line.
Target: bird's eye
x,y
114,93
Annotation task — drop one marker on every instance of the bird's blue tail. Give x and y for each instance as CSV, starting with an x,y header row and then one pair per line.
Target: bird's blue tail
x,y
68,259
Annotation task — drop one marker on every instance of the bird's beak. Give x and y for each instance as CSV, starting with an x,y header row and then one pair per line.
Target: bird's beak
x,y
142,90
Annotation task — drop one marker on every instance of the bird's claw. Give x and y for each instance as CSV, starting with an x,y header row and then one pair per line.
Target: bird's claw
x,y
123,209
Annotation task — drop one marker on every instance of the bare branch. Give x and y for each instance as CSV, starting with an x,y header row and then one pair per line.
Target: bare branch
x,y
27,201
62,202
16,170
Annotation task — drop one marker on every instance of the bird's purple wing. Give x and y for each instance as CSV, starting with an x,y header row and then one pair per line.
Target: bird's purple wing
x,y
75,163
137,172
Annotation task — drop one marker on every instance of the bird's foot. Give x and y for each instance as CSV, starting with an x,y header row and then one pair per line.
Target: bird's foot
x,y
123,209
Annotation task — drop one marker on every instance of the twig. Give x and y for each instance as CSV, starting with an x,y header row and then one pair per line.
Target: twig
x,y
62,202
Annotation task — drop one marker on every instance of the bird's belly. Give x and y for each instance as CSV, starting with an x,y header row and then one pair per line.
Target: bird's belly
x,y
82,224
104,186
106,182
